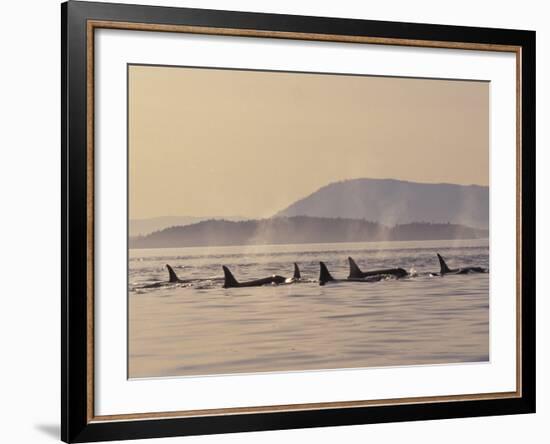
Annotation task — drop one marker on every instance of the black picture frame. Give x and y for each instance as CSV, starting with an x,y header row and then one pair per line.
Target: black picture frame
x,y
76,423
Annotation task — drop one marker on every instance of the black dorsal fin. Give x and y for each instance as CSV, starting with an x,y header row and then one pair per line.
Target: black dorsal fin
x,y
324,274
297,274
354,270
230,280
173,277
443,265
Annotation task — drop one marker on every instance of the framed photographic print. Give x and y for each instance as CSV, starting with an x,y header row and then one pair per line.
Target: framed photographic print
x,y
275,221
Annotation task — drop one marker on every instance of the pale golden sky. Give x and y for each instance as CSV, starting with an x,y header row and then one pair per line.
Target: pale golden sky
x,y
208,142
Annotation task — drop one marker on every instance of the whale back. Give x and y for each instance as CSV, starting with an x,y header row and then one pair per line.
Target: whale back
x,y
443,265
172,276
297,274
354,270
230,280
324,274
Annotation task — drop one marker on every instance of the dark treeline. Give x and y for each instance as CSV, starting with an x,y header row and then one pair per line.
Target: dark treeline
x,y
296,230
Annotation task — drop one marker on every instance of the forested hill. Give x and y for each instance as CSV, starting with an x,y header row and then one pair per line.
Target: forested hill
x,y
296,230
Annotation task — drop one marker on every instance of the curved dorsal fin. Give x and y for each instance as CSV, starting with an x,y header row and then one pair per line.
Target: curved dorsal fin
x,y
443,265
354,270
297,274
324,274
172,276
230,280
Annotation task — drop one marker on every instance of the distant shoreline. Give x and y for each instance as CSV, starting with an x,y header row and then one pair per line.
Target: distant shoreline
x,y
299,230
311,243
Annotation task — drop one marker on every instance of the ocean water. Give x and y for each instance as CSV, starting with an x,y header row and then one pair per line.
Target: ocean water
x,y
200,328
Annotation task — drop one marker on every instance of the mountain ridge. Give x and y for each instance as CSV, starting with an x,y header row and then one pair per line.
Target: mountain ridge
x,y
393,201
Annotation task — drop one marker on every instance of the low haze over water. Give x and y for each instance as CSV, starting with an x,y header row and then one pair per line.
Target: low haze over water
x,y
200,328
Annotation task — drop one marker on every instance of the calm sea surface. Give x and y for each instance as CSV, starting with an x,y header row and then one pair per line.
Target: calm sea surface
x,y
200,328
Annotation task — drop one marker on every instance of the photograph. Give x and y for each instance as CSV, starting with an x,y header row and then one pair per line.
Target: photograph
x,y
284,221
277,220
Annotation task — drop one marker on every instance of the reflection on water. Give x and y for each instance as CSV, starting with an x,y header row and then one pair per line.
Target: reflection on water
x,y
199,328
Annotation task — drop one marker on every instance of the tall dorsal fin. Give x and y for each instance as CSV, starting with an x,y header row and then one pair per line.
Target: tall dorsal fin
x,y
297,274
324,274
230,280
354,270
443,265
172,276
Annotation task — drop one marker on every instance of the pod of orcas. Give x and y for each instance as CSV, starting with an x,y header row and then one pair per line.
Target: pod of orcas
x,y
325,277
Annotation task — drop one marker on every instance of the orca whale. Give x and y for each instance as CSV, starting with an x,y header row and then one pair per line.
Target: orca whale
x,y
172,279
231,282
444,269
356,273
297,275
325,276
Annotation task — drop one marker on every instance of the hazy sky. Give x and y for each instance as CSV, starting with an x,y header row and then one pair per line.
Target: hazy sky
x,y
207,142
